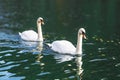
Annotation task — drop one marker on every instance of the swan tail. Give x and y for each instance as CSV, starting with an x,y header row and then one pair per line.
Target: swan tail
x,y
20,33
50,45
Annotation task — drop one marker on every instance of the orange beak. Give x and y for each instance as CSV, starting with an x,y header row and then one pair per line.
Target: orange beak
x,y
84,36
42,23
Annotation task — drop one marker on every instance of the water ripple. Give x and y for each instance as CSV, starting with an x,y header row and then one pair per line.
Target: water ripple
x,y
7,67
6,51
43,73
96,60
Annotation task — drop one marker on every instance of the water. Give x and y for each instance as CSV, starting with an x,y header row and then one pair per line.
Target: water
x,y
21,60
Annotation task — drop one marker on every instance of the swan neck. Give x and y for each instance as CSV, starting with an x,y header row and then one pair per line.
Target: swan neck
x,y
40,37
79,44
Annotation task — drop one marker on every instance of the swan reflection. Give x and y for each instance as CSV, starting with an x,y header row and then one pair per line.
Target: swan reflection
x,y
79,67
39,49
40,46
78,60
62,58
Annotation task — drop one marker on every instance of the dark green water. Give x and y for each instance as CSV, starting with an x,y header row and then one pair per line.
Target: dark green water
x,y
63,18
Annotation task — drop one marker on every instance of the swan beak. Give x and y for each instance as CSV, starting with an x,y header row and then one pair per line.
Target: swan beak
x,y
42,22
84,36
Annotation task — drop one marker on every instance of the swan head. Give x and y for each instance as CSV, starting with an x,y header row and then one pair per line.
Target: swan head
x,y
82,32
40,21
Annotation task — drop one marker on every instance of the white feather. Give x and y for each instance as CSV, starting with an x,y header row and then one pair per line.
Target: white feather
x,y
29,35
66,47
63,46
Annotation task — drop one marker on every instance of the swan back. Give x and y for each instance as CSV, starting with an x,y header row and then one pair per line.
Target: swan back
x,y
63,46
29,35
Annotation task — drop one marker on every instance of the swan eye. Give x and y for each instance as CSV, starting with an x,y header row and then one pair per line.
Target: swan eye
x,y
83,33
41,21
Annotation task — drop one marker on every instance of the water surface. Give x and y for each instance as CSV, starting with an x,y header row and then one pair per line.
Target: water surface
x,y
21,60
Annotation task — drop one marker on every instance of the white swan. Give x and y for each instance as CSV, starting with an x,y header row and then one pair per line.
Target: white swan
x,y
66,47
30,35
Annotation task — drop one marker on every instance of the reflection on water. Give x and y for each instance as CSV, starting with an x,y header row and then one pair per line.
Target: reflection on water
x,y
17,59
20,60
40,46
79,67
62,58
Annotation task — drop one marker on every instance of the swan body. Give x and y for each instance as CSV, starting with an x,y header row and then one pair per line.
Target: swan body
x,y
63,46
66,47
30,35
